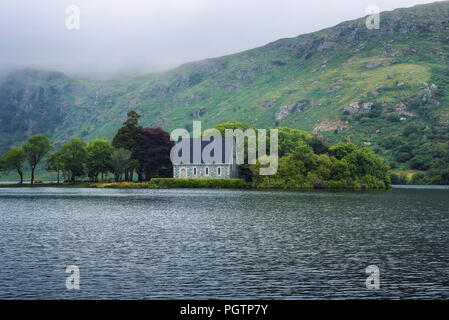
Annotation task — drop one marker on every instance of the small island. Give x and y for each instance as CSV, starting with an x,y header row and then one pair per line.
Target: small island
x,y
140,158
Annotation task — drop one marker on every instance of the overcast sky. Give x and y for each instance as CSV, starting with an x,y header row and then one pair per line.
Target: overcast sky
x,y
136,36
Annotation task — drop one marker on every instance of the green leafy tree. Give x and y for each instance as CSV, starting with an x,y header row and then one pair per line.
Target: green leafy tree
x,y
37,147
120,162
352,167
244,169
289,139
99,153
74,156
55,162
341,149
14,160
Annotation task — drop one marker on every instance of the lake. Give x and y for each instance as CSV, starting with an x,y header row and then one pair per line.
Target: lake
x,y
223,244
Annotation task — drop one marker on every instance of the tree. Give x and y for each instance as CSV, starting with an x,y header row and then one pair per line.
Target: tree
x,y
318,145
421,162
55,162
349,167
99,153
154,155
132,119
37,147
74,155
120,162
128,137
290,138
13,160
341,150
244,169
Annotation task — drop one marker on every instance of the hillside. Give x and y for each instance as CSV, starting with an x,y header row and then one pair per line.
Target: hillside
x,y
386,88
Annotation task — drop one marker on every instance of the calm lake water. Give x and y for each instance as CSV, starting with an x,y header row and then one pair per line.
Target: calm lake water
x,y
202,244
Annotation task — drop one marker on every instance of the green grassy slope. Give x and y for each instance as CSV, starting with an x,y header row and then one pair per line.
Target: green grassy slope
x,y
399,73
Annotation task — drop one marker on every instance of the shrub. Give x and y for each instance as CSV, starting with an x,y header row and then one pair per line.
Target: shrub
x,y
420,179
394,117
167,183
398,178
120,185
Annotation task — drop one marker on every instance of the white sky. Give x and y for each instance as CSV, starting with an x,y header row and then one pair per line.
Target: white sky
x,y
136,36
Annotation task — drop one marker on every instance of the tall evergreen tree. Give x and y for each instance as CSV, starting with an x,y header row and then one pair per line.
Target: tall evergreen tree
x,y
128,137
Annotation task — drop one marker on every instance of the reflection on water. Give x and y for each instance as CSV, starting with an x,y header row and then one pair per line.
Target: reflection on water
x,y
204,244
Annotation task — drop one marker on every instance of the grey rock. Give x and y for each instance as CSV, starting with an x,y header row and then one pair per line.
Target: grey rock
x,y
287,110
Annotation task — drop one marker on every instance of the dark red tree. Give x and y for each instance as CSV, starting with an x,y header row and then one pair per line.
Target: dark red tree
x,y
154,153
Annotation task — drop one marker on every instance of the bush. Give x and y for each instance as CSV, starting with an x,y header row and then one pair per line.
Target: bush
x,y
420,179
347,167
394,117
398,179
168,183
120,185
365,120
421,162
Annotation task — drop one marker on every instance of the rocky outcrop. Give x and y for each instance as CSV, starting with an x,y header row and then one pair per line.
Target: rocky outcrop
x,y
377,63
287,110
427,94
332,125
268,103
356,108
401,109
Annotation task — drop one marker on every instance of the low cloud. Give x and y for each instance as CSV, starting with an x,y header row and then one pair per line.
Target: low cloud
x,y
139,36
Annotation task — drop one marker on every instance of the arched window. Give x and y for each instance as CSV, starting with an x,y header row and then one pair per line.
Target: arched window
x,y
194,171
183,173
207,171
219,171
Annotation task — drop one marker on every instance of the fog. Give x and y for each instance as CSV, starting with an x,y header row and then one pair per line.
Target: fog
x,y
137,36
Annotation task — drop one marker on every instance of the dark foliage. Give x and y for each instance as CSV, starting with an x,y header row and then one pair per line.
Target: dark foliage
x,y
154,153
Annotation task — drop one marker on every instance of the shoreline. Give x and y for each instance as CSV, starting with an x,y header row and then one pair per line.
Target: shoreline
x,y
146,185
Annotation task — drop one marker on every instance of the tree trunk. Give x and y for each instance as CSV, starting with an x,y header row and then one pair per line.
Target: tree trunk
x,y
32,175
21,175
140,177
58,175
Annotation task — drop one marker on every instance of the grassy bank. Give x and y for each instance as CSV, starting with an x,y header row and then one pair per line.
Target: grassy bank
x,y
120,185
45,185
159,183
156,183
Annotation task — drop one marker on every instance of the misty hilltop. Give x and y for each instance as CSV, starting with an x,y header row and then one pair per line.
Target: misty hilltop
x,y
347,83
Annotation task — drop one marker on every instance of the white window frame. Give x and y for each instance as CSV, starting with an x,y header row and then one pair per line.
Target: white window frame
x,y
206,171
219,171
195,171
180,172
